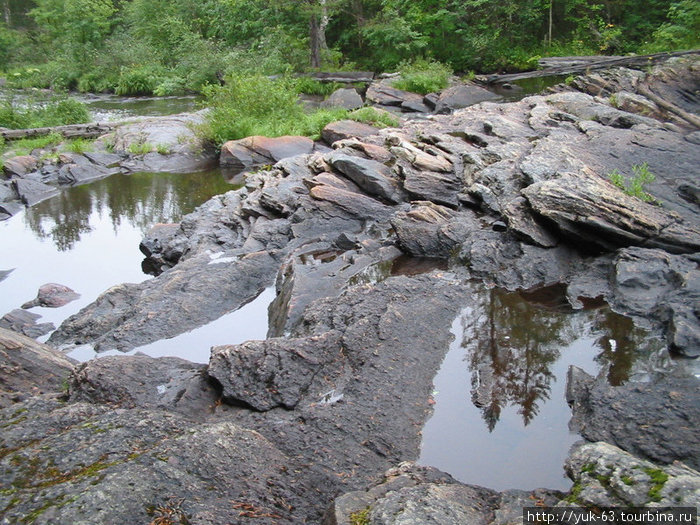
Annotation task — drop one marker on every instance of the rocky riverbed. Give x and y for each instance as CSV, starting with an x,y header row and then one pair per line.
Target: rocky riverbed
x,y
319,423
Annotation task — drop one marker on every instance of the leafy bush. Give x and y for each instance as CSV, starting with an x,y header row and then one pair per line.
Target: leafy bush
x,y
311,86
423,76
56,111
634,186
140,80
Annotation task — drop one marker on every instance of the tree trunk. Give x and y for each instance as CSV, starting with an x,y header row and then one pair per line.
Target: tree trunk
x,y
549,33
6,12
315,41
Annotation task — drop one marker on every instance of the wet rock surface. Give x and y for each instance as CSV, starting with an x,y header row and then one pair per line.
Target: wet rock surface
x,y
52,295
512,195
654,420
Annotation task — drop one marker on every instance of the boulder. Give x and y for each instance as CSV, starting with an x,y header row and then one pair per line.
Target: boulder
x,y
52,295
384,95
29,368
372,177
605,476
462,96
25,323
250,151
649,420
79,169
7,193
139,381
346,98
32,192
346,129
591,211
20,165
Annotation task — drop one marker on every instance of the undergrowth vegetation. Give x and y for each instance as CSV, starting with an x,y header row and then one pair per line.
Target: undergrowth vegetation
x,y
42,111
258,105
423,76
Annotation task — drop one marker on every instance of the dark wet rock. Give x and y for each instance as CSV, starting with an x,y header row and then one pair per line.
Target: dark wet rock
x,y
606,476
346,98
5,273
193,293
29,368
592,211
371,151
272,373
317,271
372,177
462,96
167,383
413,494
108,160
524,223
346,129
25,323
384,95
439,188
651,285
158,246
430,230
7,192
79,169
652,420
52,295
32,192
499,259
174,134
415,106
19,166
8,209
251,151
137,466
352,203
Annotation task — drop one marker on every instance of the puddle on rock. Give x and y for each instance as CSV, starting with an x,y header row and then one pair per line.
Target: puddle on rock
x,y
87,237
500,416
250,322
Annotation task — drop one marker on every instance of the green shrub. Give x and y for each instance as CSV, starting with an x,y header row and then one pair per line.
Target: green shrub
x,y
634,187
140,148
80,145
311,86
26,146
40,112
423,76
376,117
141,80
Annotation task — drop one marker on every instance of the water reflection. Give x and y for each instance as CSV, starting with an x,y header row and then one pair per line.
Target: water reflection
x,y
500,417
141,199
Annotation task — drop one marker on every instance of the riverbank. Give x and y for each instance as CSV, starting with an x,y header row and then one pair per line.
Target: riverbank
x,y
511,195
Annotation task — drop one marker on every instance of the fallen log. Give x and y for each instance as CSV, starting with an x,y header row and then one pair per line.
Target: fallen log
x,y
344,77
71,131
573,65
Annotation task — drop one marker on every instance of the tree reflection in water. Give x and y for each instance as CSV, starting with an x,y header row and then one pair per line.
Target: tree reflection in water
x,y
513,339
142,199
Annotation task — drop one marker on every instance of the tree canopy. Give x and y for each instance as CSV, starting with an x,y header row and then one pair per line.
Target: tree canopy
x,y
171,46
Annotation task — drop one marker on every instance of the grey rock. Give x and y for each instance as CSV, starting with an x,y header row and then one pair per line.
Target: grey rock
x,y
524,223
52,295
160,248
590,210
430,230
10,208
346,98
5,273
167,383
32,192
250,151
25,323
108,160
371,176
271,373
80,173
383,94
649,420
415,106
29,368
131,315
606,476
7,193
462,96
19,166
346,129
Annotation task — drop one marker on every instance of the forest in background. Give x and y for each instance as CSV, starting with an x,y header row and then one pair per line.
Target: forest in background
x,y
165,47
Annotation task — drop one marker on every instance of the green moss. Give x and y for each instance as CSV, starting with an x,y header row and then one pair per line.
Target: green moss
x,y
574,493
628,480
361,517
140,148
658,479
588,468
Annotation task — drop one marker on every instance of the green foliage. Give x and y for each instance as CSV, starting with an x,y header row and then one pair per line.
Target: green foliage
x,y
682,31
634,187
140,148
26,146
140,80
658,479
311,86
361,517
423,76
376,117
163,149
80,145
40,112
